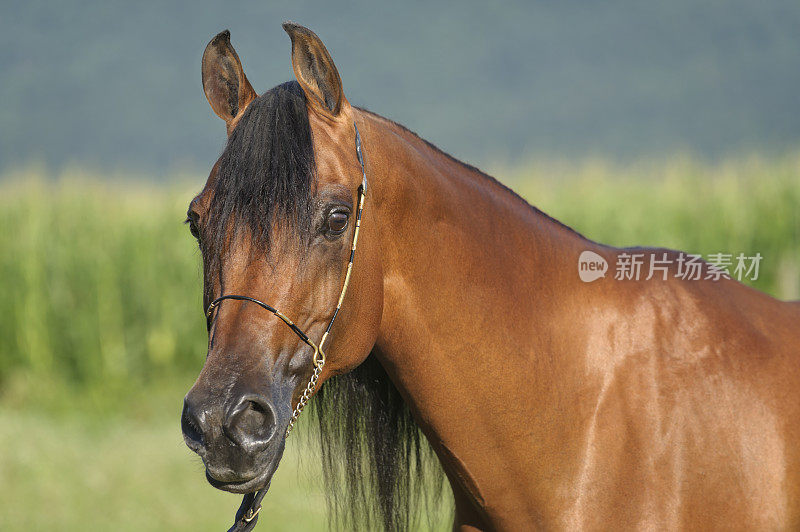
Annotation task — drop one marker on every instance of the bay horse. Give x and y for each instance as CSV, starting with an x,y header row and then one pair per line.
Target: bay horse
x,y
461,323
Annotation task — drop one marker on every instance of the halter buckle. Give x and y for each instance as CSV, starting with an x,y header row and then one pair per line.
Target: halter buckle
x,y
251,514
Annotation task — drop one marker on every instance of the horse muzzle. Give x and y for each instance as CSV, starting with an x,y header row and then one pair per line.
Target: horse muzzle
x,y
240,439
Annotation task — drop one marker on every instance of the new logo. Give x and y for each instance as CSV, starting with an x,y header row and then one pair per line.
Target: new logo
x,y
591,266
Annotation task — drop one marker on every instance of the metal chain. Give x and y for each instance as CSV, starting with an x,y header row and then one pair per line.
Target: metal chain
x,y
307,393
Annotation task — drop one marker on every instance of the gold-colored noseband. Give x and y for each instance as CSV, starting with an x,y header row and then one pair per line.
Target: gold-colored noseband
x,y
319,353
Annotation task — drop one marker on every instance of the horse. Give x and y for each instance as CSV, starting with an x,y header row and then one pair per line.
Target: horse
x,y
423,307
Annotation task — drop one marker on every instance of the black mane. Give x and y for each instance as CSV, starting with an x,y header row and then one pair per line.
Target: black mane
x,y
375,459
380,472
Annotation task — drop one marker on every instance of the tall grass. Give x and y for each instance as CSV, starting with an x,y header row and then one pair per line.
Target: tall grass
x,y
748,205
101,281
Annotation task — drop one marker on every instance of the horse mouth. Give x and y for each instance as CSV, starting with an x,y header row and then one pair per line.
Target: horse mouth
x,y
259,481
227,480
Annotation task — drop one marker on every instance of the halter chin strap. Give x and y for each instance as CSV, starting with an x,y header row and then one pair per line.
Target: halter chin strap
x,y
247,515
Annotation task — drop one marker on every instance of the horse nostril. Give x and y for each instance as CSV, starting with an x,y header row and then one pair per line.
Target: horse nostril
x,y
192,428
251,422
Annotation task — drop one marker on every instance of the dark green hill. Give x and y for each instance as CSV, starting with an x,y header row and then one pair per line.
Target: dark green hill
x,y
115,83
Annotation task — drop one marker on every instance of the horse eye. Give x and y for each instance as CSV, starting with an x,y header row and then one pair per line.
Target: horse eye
x,y
337,222
193,229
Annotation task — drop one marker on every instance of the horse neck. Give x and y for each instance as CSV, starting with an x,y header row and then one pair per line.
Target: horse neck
x,y
470,306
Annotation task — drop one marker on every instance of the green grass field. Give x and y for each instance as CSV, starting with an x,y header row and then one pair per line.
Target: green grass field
x,y
102,330
83,472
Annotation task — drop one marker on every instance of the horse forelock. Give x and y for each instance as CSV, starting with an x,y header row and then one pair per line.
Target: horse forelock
x,y
265,175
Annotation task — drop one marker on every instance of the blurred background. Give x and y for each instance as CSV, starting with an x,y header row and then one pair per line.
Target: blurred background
x,y
674,124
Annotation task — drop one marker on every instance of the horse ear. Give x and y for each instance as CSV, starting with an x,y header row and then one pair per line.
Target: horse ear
x,y
314,70
224,82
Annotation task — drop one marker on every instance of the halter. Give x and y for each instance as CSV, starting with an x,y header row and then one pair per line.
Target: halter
x,y
247,516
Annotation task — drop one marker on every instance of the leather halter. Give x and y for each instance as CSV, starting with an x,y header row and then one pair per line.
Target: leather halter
x,y
247,515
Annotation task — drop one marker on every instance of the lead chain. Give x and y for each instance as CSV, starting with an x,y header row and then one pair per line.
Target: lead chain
x,y
307,393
